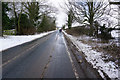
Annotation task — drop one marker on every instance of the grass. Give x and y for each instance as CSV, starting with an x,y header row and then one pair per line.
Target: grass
x,y
111,50
9,32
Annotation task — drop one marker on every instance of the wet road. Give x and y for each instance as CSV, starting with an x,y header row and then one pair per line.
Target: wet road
x,y
46,57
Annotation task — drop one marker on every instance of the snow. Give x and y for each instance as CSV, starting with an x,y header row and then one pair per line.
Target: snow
x,y
115,33
95,58
11,41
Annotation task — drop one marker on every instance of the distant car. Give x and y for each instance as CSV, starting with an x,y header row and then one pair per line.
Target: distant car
x,y
60,30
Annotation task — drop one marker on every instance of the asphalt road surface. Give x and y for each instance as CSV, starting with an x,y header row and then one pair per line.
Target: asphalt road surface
x,y
46,57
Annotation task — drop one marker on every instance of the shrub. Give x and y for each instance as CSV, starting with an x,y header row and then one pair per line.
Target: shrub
x,y
9,32
78,31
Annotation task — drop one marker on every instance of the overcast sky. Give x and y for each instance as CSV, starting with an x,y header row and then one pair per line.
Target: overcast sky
x,y
61,15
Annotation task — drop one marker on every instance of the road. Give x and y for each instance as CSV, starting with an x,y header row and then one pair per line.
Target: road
x,y
46,57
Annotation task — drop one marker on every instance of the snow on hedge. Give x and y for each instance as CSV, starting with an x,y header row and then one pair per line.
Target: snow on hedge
x,y
95,58
11,41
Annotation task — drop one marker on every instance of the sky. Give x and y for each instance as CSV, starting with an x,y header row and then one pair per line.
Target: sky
x,y
61,15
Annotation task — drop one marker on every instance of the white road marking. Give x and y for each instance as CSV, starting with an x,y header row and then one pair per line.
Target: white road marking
x,y
74,69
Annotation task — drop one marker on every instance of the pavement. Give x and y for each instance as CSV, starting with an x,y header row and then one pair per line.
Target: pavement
x,y
46,57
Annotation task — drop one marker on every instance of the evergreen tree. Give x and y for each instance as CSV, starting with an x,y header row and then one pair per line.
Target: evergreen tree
x,y
44,24
33,12
5,18
47,23
70,18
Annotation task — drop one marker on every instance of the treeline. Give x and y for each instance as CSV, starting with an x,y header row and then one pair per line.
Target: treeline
x,y
96,17
28,17
47,23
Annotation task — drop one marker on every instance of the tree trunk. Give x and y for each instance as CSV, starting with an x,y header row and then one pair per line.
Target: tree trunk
x,y
119,16
19,29
16,19
91,18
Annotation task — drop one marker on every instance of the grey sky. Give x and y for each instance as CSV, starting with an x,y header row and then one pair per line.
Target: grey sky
x,y
61,15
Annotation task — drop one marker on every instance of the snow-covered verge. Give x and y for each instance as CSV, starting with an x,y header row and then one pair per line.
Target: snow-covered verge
x,y
115,33
95,58
11,41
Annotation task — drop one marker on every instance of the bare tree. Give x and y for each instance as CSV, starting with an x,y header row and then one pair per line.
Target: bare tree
x,y
16,16
115,10
69,10
20,17
70,18
32,10
89,11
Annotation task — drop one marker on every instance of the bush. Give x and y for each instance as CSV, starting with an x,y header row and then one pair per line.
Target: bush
x,y
9,32
47,24
80,30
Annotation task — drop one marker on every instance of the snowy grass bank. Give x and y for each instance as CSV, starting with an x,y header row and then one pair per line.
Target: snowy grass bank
x,y
11,41
95,58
